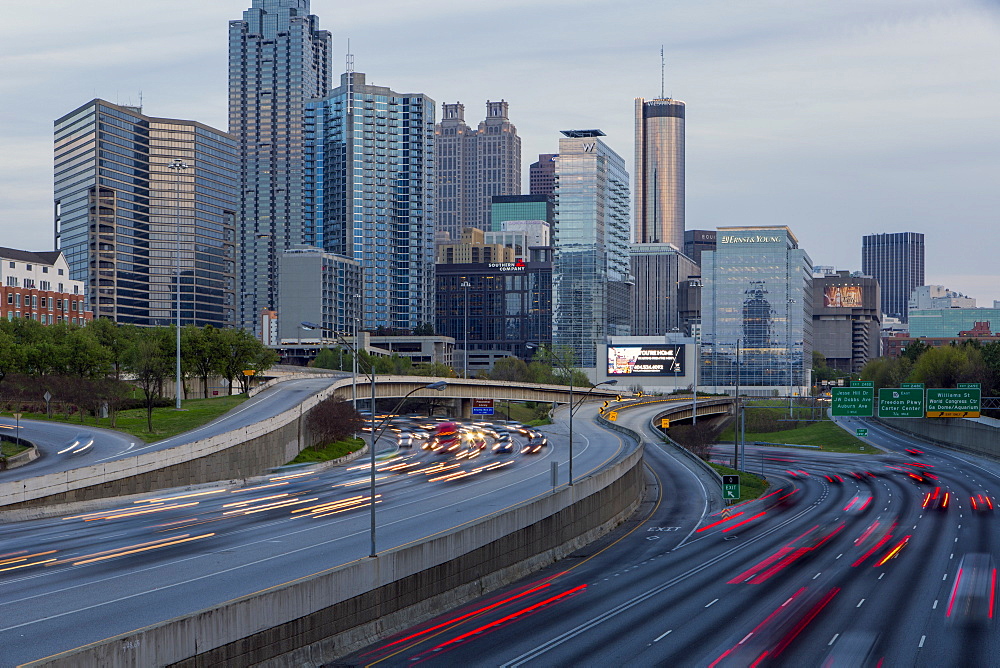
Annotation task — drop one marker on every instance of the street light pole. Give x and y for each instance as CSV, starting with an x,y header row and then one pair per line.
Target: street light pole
x,y
465,354
569,372
178,165
788,344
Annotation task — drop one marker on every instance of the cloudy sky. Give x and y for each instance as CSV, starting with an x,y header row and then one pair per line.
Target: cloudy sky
x,y
838,118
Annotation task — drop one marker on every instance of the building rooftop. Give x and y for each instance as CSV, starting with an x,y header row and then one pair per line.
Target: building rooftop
x,y
583,133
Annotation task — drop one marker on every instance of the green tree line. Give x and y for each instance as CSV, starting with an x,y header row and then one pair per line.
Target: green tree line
x,y
100,362
966,362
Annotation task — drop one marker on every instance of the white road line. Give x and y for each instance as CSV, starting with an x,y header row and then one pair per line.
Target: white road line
x,y
833,639
712,603
934,607
662,636
817,575
860,603
944,577
922,639
881,576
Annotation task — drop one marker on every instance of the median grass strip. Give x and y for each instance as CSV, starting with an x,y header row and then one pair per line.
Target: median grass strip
x,y
751,486
328,452
167,421
826,434
9,449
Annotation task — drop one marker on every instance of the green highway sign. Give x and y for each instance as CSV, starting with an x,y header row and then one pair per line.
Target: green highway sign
x,y
900,402
920,385
969,386
862,433
862,383
853,401
731,487
959,402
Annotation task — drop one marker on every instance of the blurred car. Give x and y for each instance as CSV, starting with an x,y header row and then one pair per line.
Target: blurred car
x,y
936,500
80,444
859,503
973,595
914,451
981,503
404,440
503,446
833,477
475,439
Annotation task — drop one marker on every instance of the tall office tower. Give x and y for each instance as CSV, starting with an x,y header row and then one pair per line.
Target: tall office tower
x,y
370,159
279,59
591,282
506,208
659,166
660,272
125,219
696,241
473,166
896,261
542,175
756,315
846,319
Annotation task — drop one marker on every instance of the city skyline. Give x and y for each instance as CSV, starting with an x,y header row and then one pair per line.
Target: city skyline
x,y
837,120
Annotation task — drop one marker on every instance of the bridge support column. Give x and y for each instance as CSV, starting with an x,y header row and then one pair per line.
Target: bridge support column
x,y
466,409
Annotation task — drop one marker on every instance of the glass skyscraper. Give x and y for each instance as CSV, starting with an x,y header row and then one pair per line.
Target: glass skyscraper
x,y
659,171
505,208
120,209
591,281
370,196
279,59
756,311
896,261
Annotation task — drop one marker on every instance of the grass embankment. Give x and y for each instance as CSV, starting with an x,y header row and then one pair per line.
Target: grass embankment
x,y
532,416
167,421
751,486
9,449
328,452
763,423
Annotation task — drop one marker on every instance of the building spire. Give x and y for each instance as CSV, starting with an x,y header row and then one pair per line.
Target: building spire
x,y
663,73
350,57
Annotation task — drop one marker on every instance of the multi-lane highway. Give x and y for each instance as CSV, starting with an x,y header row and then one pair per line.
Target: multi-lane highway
x,y
69,581
850,568
54,437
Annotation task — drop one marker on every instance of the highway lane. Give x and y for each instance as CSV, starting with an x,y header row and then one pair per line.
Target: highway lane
x,y
51,437
71,581
792,574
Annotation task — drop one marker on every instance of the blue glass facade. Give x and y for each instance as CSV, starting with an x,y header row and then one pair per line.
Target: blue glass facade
x,y
757,298
591,289
369,161
279,59
119,210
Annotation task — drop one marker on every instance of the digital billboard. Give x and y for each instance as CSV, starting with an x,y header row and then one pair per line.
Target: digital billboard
x,y
646,360
842,296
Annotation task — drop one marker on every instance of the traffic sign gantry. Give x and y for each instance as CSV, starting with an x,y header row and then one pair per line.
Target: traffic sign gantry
x,y
900,402
960,402
731,487
853,401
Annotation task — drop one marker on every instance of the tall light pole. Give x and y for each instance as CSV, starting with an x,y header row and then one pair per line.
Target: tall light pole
x,y
465,355
697,353
788,344
581,402
569,373
178,165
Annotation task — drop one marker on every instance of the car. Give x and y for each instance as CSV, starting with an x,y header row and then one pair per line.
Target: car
x,y
503,447
859,503
914,451
833,477
973,595
404,440
936,500
981,503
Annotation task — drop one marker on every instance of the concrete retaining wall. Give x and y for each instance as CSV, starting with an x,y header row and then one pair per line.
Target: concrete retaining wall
x,y
970,436
22,458
319,618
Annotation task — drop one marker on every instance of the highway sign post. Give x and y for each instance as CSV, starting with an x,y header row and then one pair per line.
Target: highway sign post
x,y
900,402
665,423
862,433
959,402
853,401
482,407
731,487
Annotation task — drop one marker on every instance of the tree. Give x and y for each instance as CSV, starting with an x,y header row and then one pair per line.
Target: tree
x,y
202,351
434,369
85,356
511,369
148,362
236,350
332,420
820,369
914,349
116,340
336,358
887,371
942,367
11,358
426,329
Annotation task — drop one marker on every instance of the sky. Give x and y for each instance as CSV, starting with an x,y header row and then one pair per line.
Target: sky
x,y
836,118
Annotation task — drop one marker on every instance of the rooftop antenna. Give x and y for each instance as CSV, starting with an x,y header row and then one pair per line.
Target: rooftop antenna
x,y
350,57
663,73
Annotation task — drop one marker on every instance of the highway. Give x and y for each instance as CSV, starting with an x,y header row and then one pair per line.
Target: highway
x,y
73,580
810,573
52,437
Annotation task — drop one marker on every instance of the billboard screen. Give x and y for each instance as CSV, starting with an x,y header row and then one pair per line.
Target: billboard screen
x,y
842,296
646,360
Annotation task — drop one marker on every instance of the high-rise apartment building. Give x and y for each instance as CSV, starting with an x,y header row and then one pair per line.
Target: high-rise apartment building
x,y
756,314
591,280
896,261
369,155
136,196
660,272
542,175
659,171
473,166
279,59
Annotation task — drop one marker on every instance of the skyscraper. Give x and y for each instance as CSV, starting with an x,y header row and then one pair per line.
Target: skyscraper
x,y
756,311
473,166
122,214
659,166
542,175
591,281
279,59
896,261
370,159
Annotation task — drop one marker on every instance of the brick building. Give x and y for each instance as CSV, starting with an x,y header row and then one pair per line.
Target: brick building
x,y
37,286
